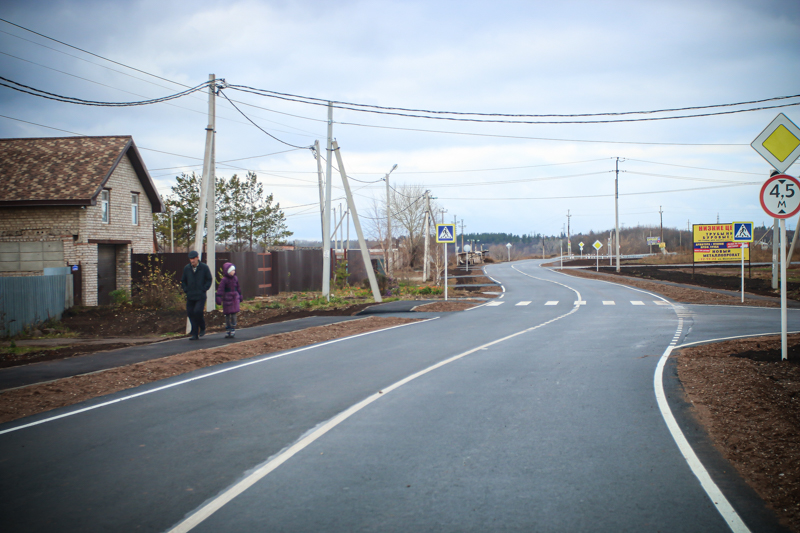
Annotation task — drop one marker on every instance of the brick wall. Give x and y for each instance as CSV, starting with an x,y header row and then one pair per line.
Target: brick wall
x,y
75,226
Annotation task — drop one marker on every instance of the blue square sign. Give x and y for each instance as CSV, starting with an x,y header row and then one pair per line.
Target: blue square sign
x,y
742,232
446,233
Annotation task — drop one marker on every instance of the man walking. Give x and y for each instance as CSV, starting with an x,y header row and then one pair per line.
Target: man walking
x,y
195,283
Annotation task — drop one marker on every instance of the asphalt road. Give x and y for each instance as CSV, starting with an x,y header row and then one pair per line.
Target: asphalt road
x,y
538,416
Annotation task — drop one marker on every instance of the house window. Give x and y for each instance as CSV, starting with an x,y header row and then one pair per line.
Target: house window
x,y
135,208
104,197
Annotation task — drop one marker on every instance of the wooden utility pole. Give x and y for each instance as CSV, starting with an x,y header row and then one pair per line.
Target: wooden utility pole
x,y
326,217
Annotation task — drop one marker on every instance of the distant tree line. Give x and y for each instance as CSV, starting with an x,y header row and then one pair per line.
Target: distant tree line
x,y
245,216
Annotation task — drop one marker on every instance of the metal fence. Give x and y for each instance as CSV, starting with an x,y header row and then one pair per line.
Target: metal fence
x,y
29,300
260,274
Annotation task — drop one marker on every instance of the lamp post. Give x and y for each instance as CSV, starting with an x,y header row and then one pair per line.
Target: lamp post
x,y
388,225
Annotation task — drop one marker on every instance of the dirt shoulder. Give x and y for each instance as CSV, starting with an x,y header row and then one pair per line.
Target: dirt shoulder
x,y
33,399
748,400
678,294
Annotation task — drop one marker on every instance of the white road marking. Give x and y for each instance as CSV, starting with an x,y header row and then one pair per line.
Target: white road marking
x,y
580,302
204,376
524,303
637,302
723,506
270,465
712,490
552,302
494,304
608,302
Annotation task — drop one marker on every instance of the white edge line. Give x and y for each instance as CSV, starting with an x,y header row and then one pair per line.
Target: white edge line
x,y
259,359
722,504
271,464
712,490
709,341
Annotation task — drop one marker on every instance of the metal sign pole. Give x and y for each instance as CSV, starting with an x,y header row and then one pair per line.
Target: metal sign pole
x,y
784,326
744,246
445,270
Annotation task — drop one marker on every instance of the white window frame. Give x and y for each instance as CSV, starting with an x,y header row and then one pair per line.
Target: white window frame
x,y
105,206
135,208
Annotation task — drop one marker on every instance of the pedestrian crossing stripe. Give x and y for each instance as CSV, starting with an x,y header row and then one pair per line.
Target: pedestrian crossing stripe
x,y
524,303
608,302
555,302
637,302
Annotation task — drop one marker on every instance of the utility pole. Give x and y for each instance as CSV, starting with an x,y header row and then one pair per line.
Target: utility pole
x,y
427,235
616,209
326,218
206,196
569,241
211,217
389,258
321,190
463,250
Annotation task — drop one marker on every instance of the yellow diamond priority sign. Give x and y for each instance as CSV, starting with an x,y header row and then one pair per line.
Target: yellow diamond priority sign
x,y
779,143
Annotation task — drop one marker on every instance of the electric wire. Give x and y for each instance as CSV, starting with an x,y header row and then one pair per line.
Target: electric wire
x,y
11,84
605,195
371,109
259,127
325,102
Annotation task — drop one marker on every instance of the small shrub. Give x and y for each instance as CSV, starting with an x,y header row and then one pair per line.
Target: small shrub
x,y
340,275
120,297
157,288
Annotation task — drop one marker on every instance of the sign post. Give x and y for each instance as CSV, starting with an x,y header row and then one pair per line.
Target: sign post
x,y
780,198
581,245
597,245
743,233
445,234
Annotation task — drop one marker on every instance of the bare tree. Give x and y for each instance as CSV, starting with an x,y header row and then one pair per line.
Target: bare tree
x,y
408,212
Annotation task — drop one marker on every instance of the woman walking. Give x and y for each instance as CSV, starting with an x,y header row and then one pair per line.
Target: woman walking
x,y
229,294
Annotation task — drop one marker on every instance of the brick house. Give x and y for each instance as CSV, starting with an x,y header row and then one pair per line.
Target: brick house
x,y
85,201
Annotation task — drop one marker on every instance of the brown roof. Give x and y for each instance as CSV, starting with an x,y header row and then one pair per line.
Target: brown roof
x,y
66,170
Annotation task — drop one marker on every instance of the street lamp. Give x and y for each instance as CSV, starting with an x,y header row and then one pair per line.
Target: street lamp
x,y
388,225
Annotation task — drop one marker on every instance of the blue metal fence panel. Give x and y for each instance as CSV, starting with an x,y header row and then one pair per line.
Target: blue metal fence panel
x,y
29,300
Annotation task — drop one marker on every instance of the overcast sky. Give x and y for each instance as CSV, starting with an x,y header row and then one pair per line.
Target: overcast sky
x,y
508,57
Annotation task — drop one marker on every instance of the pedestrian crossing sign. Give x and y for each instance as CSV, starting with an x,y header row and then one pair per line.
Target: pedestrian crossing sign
x,y
742,232
446,233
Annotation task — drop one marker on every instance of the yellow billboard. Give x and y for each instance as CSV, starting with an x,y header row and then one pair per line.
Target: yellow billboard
x,y
715,242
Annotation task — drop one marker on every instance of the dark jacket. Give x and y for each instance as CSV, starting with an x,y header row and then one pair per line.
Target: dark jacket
x,y
196,283
229,294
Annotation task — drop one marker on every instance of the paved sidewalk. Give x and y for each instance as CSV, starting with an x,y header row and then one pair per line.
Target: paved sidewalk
x,y
20,376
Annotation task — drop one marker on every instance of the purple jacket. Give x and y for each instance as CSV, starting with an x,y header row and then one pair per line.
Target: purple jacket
x,y
229,294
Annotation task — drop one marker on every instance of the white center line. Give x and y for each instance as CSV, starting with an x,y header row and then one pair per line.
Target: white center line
x,y
608,302
637,302
523,303
552,302
494,304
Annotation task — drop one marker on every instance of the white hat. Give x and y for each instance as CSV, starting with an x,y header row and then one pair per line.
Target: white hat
x,y
231,269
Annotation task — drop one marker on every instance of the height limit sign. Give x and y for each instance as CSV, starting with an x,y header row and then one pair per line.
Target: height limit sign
x,y
780,196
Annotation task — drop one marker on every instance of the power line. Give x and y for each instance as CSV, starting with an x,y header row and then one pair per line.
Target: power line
x,y
606,195
324,102
11,84
259,127
90,53
381,111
